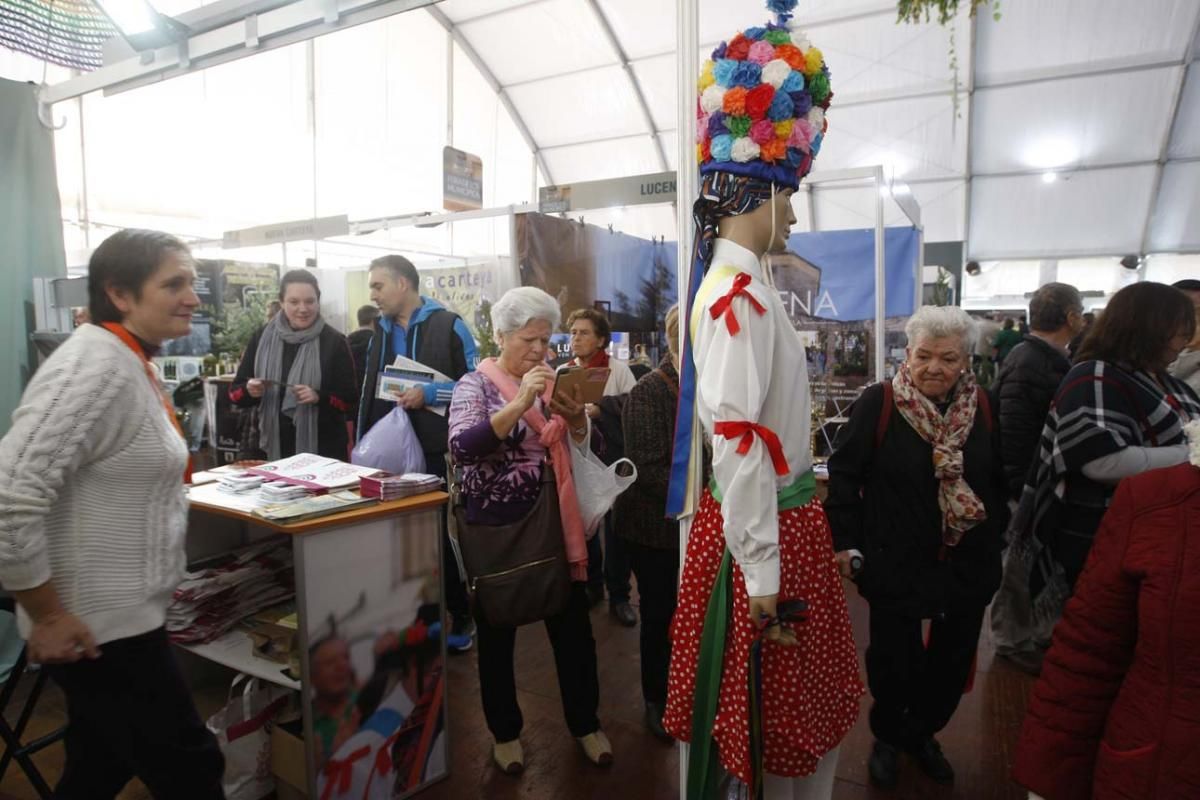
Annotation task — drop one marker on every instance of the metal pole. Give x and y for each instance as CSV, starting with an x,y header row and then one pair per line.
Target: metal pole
x,y
688,67
880,275
85,216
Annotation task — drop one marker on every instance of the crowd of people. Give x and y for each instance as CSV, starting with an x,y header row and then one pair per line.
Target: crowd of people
x,y
1041,468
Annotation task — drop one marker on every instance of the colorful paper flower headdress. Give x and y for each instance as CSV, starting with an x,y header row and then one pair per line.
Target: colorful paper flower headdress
x,y
763,97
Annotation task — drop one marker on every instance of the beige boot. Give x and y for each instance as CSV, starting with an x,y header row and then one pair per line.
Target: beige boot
x,y
509,757
597,748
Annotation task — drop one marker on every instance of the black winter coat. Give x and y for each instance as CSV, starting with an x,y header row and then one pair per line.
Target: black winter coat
x,y
336,390
1022,395
883,502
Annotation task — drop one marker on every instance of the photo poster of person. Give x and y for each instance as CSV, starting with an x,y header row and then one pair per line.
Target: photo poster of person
x,y
826,281
586,266
376,660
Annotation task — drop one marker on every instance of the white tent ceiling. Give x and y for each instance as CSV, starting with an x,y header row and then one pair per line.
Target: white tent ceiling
x,y
1105,95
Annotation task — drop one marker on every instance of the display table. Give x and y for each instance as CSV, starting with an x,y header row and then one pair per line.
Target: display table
x,y
368,584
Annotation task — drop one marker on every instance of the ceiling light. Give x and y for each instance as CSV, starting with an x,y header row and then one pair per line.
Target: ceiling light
x,y
1050,153
141,25
1049,177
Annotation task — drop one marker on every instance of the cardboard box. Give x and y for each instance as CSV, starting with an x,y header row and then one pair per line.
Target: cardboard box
x,y
287,764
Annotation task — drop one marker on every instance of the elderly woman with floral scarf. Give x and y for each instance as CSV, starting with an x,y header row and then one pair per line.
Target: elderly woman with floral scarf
x,y
916,491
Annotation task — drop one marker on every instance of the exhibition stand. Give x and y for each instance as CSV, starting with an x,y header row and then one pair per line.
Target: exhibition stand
x,y
367,588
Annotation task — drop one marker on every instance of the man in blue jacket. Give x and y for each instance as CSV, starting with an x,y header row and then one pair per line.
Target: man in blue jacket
x,y
419,328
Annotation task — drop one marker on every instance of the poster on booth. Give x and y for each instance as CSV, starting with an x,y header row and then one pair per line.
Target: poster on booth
x,y
826,281
376,663
584,266
468,291
233,297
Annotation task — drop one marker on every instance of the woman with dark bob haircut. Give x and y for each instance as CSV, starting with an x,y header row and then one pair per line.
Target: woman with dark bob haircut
x,y
1117,413
92,522
300,372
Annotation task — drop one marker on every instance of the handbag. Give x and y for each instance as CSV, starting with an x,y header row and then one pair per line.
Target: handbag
x,y
516,573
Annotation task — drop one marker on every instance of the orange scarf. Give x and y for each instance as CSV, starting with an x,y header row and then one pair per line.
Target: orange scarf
x,y
129,341
553,435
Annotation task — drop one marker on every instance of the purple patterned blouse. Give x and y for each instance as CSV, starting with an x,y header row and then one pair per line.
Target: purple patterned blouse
x,y
501,477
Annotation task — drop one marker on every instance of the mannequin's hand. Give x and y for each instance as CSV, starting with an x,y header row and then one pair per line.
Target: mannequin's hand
x,y
765,607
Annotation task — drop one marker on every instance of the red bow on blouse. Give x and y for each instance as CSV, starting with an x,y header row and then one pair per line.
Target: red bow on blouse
x,y
748,430
340,772
724,304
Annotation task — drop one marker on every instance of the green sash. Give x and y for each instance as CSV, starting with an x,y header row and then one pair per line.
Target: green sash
x,y
796,495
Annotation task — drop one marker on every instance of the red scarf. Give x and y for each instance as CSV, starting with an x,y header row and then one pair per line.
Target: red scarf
x,y
129,341
600,359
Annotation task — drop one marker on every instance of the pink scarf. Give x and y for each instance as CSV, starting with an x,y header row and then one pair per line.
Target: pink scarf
x,y
553,435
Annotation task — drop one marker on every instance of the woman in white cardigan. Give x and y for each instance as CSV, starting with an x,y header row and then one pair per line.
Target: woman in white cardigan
x,y
92,521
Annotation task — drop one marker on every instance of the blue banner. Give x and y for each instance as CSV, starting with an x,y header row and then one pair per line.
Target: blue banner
x,y
833,274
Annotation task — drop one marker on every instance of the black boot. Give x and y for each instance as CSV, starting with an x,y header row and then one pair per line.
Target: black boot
x,y
883,766
928,755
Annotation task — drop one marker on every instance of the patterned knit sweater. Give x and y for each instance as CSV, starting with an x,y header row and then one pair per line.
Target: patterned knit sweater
x,y
91,489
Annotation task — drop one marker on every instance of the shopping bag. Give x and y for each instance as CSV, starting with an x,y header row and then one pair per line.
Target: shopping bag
x,y
243,729
391,445
596,485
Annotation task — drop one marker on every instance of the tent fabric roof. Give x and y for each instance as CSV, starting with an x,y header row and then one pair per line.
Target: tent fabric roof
x,y
1105,99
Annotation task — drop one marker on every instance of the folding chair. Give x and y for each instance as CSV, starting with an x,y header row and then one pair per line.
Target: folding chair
x,y
14,750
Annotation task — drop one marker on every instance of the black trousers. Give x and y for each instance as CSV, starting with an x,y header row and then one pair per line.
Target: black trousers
x,y
609,566
130,713
657,573
452,582
574,657
616,563
916,690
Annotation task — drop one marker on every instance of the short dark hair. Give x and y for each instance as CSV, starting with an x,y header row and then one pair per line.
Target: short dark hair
x,y
1008,323
1051,304
366,315
598,320
298,276
1187,285
126,260
400,267
1137,325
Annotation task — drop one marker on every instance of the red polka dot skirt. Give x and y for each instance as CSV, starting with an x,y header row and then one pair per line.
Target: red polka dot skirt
x,y
810,691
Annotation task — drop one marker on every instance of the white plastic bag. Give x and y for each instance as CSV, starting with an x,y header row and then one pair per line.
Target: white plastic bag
x,y
391,445
243,729
597,485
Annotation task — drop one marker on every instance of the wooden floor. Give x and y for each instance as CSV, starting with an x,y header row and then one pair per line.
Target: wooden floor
x,y
978,741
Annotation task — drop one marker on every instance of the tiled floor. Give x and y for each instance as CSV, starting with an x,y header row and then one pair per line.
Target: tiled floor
x,y
978,741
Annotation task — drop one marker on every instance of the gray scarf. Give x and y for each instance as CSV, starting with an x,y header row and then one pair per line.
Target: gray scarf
x,y
306,371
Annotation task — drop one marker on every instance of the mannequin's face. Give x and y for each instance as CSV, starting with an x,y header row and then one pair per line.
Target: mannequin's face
x,y
785,218
766,228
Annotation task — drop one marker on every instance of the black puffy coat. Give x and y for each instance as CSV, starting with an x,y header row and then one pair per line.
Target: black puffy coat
x,y
1022,395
